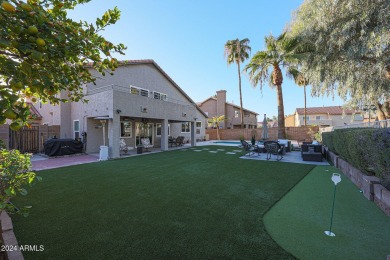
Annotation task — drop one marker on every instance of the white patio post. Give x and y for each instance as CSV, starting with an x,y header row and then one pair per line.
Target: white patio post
x,y
193,140
164,135
114,136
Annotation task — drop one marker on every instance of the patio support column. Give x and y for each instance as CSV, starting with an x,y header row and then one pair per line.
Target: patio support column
x,y
113,136
193,140
164,135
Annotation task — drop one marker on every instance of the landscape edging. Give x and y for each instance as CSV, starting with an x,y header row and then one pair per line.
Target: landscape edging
x,y
370,185
8,237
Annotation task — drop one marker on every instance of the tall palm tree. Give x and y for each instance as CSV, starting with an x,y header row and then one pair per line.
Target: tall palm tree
x,y
279,53
237,51
215,121
301,81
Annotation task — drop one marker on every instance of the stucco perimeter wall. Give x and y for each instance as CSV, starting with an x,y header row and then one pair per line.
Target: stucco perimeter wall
x,y
293,133
369,185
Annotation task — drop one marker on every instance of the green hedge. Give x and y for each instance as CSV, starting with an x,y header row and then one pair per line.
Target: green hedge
x,y
368,149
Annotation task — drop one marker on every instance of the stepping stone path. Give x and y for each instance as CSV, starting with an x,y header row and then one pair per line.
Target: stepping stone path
x,y
206,149
237,151
220,149
213,151
197,150
230,153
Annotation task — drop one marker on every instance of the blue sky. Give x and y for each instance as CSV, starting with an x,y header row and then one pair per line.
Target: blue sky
x,y
186,38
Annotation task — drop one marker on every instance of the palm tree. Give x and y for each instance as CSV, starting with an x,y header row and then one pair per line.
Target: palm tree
x,y
301,81
215,121
237,51
279,53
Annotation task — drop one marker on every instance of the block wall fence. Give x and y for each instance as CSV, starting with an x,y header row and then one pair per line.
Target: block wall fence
x,y
304,133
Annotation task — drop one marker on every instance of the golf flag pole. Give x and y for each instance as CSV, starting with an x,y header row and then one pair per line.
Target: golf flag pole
x,y
336,178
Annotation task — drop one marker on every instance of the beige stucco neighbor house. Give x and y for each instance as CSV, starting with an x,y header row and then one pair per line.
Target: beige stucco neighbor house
x,y
217,106
324,116
140,99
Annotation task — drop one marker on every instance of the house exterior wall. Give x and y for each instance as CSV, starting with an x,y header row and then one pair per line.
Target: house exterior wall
x,y
326,119
111,98
289,121
250,119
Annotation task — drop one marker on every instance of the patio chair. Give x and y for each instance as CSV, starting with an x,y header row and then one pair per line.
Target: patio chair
x,y
123,146
146,144
250,149
274,148
180,140
172,141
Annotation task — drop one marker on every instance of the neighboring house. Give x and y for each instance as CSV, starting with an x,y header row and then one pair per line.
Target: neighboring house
x,y
324,116
217,106
139,100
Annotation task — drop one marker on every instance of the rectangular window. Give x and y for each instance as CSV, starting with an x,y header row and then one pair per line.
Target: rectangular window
x,y
198,131
236,114
126,129
358,117
307,118
185,127
156,95
134,90
76,129
158,129
144,92
199,124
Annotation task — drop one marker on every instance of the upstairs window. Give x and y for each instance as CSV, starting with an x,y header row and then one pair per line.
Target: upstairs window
x,y
160,96
139,91
144,92
236,114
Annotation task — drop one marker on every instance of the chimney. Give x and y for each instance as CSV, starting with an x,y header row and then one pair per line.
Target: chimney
x,y
221,103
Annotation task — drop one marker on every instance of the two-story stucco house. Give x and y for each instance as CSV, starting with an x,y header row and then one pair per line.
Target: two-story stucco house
x,y
217,106
139,100
324,116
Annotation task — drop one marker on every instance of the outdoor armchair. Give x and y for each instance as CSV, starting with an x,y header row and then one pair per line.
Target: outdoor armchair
x,y
250,149
179,140
274,148
146,143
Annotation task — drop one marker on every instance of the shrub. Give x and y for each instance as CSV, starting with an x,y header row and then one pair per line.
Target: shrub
x,y
368,149
15,174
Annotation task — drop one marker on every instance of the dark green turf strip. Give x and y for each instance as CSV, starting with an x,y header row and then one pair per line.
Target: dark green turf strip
x,y
167,205
298,221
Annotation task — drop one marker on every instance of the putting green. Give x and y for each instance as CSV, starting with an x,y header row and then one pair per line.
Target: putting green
x,y
298,221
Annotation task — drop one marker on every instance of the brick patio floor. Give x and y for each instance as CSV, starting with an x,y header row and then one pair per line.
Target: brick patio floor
x,y
43,163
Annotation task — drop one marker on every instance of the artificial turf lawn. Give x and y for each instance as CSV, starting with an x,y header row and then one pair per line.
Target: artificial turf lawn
x,y
177,204
298,221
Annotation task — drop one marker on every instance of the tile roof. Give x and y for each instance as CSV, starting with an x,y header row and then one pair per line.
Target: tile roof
x,y
227,103
33,111
332,110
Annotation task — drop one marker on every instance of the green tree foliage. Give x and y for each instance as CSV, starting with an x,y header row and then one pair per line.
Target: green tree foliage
x,y
215,121
43,52
15,174
350,49
279,52
237,51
